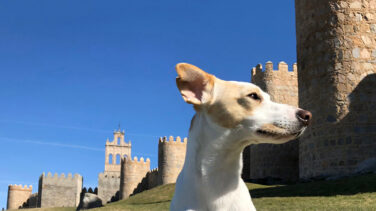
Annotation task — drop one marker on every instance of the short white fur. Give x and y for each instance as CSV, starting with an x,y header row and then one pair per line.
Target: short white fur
x,y
211,175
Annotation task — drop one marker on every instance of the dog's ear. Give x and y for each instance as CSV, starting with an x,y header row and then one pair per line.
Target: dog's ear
x,y
194,84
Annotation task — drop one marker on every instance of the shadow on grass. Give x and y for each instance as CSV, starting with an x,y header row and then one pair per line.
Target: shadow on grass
x,y
154,202
347,186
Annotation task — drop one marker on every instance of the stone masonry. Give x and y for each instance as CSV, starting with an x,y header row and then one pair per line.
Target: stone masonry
x,y
278,162
55,191
171,156
18,196
132,173
336,50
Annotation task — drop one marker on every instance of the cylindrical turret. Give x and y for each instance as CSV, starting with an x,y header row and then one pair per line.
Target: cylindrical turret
x,y
132,173
336,57
18,195
171,156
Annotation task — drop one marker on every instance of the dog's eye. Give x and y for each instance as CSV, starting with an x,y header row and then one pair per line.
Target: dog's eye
x,y
254,96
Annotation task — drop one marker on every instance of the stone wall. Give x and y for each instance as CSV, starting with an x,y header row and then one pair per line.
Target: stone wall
x,y
109,186
132,174
336,42
270,161
171,156
32,202
148,182
18,196
55,191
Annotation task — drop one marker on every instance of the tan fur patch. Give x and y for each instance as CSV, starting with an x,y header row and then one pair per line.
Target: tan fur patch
x,y
232,105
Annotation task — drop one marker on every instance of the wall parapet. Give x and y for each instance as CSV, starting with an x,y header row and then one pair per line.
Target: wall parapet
x,y
259,71
62,176
171,140
21,187
136,160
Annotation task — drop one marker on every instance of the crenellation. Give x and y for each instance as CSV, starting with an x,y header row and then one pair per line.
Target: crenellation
x,y
20,187
268,66
282,66
171,140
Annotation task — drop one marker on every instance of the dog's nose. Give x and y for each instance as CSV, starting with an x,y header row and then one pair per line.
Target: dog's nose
x,y
304,116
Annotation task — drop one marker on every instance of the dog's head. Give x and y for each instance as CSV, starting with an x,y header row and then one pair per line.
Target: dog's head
x,y
241,106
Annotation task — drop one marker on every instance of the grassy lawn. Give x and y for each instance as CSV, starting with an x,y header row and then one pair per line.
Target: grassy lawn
x,y
356,193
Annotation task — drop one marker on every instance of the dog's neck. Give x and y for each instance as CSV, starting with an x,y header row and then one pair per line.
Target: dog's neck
x,y
214,161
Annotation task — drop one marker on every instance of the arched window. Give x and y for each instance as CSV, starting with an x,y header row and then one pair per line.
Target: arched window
x,y
110,159
118,159
125,156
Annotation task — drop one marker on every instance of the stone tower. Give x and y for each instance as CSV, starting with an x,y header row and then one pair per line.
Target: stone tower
x,y
171,156
272,161
336,50
109,180
59,191
18,195
132,173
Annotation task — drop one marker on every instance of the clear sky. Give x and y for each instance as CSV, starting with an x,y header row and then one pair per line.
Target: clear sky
x,y
71,71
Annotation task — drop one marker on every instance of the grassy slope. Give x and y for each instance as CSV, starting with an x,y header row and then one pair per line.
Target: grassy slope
x,y
357,193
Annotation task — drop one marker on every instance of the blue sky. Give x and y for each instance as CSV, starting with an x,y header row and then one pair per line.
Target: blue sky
x,y
72,70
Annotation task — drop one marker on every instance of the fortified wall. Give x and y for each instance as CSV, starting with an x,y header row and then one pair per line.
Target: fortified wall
x,y
108,186
336,42
272,161
119,178
18,196
137,177
59,191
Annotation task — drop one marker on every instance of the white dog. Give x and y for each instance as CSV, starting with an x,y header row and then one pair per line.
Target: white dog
x,y
229,116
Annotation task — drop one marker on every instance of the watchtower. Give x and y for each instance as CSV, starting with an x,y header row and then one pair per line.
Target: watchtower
x,y
271,161
336,42
171,156
18,195
132,173
59,191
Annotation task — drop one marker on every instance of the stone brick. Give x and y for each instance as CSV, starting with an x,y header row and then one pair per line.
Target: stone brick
x,y
336,88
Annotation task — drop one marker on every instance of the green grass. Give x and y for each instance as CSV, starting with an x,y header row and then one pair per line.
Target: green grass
x,y
356,193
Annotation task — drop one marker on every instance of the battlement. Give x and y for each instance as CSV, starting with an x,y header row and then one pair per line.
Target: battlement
x,y
61,177
20,187
282,67
153,170
136,161
171,140
280,84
